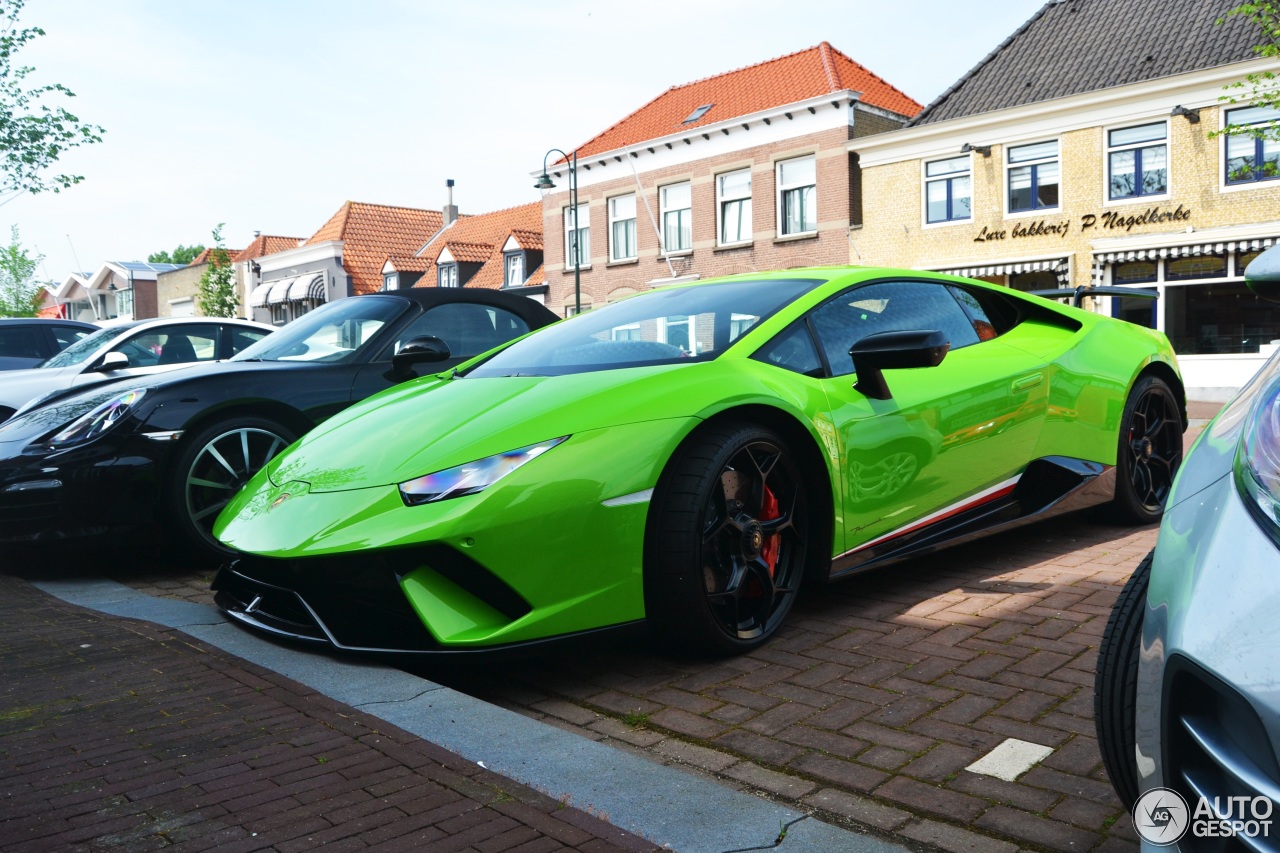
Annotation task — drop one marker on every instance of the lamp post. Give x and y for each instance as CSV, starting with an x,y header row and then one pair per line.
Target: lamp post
x,y
545,183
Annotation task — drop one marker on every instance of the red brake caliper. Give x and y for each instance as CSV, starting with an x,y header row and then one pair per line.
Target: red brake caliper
x,y
769,512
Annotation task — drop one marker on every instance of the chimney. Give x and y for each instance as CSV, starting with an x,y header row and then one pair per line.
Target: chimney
x,y
450,209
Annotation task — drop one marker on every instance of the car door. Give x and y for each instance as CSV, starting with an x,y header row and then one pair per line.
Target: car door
x,y
467,328
948,435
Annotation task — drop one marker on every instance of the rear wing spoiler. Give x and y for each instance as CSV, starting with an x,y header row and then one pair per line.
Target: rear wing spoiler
x,y
1077,294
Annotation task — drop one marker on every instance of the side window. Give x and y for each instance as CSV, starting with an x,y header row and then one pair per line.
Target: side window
x,y
982,323
21,342
237,339
65,336
195,343
889,306
792,349
468,328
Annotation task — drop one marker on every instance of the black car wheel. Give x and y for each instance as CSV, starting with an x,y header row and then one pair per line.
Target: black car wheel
x,y
1115,685
212,467
1149,454
726,542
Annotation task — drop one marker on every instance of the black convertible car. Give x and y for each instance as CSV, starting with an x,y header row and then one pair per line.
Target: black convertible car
x,y
174,448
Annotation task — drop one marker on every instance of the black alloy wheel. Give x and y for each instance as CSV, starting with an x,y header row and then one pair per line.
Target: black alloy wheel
x,y
728,549
213,467
1150,451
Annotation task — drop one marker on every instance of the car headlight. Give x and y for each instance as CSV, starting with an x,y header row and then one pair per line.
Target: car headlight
x,y
1258,460
471,477
97,420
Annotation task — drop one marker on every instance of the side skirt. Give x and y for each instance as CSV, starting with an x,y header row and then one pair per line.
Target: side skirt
x,y
1049,486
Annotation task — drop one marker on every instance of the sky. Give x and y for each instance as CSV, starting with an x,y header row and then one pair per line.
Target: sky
x,y
268,115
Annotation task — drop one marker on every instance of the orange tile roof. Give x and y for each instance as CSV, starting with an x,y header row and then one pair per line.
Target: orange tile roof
x,y
266,244
809,73
412,264
480,238
207,255
371,233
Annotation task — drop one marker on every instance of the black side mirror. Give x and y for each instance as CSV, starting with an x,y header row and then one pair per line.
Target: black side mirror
x,y
1263,275
894,350
111,361
427,349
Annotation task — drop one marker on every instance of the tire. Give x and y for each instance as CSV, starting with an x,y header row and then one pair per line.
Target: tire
x,y
1149,453
1115,685
213,465
726,542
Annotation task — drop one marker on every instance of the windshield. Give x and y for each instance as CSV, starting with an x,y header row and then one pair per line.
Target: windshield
x,y
80,351
335,332
668,326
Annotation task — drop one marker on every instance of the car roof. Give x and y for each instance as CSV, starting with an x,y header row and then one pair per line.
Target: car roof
x,y
46,321
164,322
429,297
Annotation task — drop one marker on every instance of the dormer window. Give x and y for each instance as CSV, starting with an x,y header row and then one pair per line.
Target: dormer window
x,y
391,281
447,275
515,269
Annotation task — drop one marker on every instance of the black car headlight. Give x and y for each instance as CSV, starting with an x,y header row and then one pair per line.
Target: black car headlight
x,y
1258,460
97,421
471,477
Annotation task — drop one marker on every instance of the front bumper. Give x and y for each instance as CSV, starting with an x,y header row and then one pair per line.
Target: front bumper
x,y
1208,701
83,492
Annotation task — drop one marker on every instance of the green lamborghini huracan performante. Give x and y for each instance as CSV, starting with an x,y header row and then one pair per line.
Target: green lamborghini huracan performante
x,y
693,455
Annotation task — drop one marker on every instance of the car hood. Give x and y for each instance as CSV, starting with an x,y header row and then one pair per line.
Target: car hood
x,y
412,430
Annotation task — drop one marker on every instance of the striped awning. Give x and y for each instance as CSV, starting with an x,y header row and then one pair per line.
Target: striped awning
x,y
258,298
306,287
1057,266
1190,250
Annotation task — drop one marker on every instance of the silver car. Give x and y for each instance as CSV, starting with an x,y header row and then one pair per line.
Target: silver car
x,y
1188,681
127,349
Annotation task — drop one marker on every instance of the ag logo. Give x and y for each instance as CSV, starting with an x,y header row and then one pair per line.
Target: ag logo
x,y
1161,816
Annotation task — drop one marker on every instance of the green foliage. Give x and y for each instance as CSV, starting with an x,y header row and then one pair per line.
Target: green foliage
x,y
181,255
216,296
19,292
1260,89
33,135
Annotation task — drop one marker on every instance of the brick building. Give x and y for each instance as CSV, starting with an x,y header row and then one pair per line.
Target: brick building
x,y
1078,152
748,170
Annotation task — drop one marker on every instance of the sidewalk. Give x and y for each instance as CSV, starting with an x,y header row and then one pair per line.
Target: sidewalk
x,y
121,734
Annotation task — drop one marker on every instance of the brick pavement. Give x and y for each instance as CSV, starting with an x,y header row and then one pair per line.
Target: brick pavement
x,y
116,734
878,693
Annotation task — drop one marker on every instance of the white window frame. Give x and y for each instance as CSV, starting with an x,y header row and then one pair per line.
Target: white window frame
x,y
614,221
1035,165
584,237
1223,142
447,275
785,189
513,269
684,223
741,199
926,179
1108,149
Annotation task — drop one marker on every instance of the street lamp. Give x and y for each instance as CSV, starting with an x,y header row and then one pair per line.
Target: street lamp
x,y
545,183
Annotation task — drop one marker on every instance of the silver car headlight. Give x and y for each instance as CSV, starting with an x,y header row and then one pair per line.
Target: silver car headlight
x,y
98,420
1257,467
471,477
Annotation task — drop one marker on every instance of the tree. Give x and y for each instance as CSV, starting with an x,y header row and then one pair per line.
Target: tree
x,y
33,135
19,292
181,255
1261,88
217,294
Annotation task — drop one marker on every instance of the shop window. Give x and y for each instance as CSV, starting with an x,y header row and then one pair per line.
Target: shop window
x,y
1141,311
1033,176
1136,272
798,196
1039,280
1244,259
948,190
1250,158
1203,266
733,206
622,227
1219,317
677,217
1138,161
